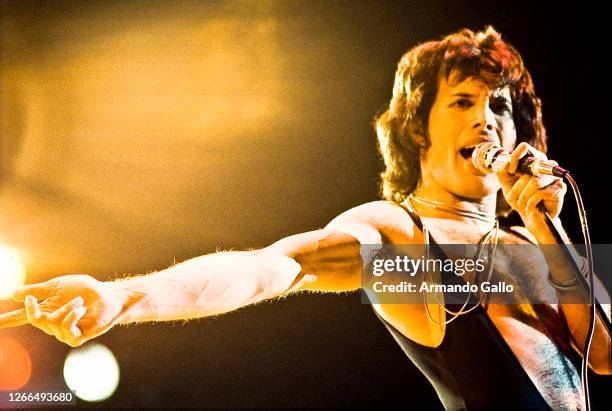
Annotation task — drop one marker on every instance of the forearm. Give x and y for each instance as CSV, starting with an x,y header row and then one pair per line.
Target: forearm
x,y
205,286
574,300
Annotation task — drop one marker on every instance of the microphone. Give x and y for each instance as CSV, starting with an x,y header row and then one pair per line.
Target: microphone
x,y
488,157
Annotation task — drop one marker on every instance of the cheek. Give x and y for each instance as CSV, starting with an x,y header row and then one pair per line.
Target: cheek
x,y
507,135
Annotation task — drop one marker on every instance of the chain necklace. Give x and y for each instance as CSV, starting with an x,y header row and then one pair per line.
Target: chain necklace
x,y
494,232
439,205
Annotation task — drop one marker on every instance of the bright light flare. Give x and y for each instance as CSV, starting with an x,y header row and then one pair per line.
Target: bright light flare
x,y
12,272
92,371
15,364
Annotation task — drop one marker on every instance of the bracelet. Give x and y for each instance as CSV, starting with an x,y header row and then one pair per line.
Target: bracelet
x,y
584,267
571,284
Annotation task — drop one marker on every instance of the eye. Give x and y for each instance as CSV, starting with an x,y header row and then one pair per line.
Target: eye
x,y
500,106
463,103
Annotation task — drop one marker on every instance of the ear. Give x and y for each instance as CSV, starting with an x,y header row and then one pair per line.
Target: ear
x,y
419,140
417,137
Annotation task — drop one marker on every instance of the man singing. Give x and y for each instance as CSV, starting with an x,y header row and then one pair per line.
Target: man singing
x,y
449,96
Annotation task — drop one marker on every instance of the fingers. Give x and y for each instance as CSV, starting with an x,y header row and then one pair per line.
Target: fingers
x,y
528,192
58,315
521,151
32,308
516,190
61,323
64,326
533,202
71,333
518,153
555,191
40,291
35,314
13,318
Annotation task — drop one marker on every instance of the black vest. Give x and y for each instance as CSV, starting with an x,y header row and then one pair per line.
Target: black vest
x,y
473,368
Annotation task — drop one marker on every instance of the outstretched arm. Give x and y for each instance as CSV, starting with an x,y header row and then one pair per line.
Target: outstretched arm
x,y
77,308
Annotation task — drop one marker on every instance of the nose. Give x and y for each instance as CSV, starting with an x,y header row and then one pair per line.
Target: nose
x,y
484,118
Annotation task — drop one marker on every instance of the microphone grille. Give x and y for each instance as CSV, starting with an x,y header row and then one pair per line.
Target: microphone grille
x,y
483,155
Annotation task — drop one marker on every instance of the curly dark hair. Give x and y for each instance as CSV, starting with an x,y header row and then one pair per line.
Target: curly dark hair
x,y
483,55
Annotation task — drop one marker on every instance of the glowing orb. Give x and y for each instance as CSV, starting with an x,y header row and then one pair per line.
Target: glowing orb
x,y
92,371
15,364
12,272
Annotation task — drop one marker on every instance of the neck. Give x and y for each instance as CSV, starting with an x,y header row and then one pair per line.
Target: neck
x,y
446,205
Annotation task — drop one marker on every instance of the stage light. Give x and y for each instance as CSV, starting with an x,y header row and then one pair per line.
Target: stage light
x,y
92,371
15,364
12,272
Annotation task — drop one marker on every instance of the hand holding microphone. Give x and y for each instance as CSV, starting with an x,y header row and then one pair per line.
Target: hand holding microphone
x,y
530,182
489,157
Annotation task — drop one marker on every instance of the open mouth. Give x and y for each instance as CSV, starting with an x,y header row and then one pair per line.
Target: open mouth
x,y
466,152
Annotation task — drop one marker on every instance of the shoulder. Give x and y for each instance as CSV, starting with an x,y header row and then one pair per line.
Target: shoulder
x,y
376,221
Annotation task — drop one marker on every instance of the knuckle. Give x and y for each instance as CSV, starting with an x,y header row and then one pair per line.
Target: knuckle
x,y
34,317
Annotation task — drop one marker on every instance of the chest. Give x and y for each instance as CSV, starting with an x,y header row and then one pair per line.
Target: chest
x,y
535,333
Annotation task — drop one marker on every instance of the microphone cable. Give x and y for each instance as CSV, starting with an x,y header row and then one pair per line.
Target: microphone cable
x,y
584,369
483,157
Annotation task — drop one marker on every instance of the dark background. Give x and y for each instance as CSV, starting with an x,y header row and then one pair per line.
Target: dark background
x,y
90,191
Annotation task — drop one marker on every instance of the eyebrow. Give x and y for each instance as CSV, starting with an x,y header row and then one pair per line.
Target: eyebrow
x,y
459,94
494,96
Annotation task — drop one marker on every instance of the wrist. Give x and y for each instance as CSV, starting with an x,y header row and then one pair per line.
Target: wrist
x,y
538,225
128,300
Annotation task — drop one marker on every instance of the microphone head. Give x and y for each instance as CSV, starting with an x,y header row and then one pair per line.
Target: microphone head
x,y
483,156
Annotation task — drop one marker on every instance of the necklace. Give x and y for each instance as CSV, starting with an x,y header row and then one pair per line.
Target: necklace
x,y
439,205
494,232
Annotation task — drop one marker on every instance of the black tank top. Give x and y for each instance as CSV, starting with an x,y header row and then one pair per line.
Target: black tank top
x,y
473,368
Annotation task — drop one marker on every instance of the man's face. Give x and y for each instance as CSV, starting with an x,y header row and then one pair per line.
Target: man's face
x,y
463,115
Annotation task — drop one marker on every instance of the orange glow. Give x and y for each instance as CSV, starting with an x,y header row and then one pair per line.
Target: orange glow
x,y
12,271
15,364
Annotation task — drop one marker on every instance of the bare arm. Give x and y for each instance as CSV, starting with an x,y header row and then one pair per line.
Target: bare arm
x,y
322,260
205,286
525,194
77,308
577,314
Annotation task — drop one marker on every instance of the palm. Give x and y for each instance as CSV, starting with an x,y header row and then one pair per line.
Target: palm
x,y
100,299
103,306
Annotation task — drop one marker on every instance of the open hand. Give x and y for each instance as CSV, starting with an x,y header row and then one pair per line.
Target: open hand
x,y
73,308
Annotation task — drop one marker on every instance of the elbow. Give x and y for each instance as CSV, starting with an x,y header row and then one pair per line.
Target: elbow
x,y
277,274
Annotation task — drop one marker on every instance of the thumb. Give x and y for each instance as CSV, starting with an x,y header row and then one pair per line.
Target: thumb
x,y
39,290
13,318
